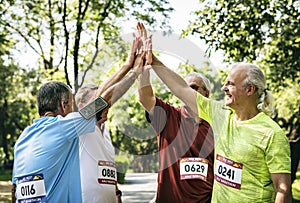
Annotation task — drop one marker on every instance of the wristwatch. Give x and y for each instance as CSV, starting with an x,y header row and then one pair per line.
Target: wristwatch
x,y
118,193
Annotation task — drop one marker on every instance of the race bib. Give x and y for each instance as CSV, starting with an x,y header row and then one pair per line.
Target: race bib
x,y
193,168
31,189
228,172
107,173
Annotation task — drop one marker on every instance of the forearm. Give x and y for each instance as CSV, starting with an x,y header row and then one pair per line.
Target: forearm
x,y
113,93
146,95
282,187
117,76
176,84
283,197
13,193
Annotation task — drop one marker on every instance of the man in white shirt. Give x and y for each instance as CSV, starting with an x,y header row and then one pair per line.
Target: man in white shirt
x,y
97,167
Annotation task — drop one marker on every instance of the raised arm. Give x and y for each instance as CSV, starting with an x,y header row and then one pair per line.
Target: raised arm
x,y
177,85
118,75
113,93
146,96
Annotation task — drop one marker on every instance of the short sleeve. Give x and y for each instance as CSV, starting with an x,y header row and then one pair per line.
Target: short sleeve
x,y
278,153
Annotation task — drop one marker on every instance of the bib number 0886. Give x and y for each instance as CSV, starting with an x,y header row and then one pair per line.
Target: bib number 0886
x,y
108,173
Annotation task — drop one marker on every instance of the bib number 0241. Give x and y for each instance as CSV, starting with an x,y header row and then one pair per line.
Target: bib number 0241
x,y
225,172
228,172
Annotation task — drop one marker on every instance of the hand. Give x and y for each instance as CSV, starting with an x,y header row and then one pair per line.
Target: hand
x,y
147,42
148,49
139,62
136,43
118,199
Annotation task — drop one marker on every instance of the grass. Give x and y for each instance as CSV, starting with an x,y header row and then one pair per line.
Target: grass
x,y
5,175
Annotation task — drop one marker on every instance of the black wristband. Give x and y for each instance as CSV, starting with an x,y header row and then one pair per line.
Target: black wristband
x,y
118,193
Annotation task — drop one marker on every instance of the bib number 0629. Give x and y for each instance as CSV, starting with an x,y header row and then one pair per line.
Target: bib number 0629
x,y
194,168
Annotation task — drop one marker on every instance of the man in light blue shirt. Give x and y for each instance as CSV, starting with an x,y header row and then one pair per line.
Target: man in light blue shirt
x,y
46,155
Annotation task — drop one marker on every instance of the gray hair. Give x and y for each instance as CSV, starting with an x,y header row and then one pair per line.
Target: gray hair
x,y
50,95
81,95
265,99
200,76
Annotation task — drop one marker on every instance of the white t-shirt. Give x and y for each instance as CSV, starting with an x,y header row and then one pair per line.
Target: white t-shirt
x,y
97,171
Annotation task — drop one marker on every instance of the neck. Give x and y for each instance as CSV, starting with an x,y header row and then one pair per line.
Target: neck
x,y
49,113
246,114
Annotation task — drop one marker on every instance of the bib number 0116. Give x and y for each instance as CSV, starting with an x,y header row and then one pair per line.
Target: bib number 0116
x,y
31,189
27,190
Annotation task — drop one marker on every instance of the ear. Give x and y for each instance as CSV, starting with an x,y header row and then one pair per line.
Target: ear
x,y
207,94
250,89
63,107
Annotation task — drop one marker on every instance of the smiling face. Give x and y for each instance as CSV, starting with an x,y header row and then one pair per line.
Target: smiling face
x,y
235,93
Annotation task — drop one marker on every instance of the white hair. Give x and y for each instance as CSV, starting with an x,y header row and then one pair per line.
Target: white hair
x,y
265,99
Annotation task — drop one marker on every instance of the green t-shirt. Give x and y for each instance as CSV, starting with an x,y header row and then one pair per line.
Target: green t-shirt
x,y
246,153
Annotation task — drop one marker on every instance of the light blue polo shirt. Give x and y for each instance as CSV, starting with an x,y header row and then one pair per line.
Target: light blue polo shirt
x,y
46,159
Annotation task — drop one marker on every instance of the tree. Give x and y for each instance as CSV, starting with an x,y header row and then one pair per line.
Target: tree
x,y
264,32
62,38
71,34
17,106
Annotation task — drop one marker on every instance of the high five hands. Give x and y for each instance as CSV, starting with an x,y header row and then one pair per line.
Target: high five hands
x,y
146,45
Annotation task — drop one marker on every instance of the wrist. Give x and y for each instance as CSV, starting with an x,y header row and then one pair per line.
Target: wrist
x,y
118,193
134,74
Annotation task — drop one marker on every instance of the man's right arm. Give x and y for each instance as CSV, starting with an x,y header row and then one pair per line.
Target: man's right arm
x,y
146,96
113,93
177,85
118,75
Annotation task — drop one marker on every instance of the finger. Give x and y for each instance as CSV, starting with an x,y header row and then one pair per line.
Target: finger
x,y
144,31
139,29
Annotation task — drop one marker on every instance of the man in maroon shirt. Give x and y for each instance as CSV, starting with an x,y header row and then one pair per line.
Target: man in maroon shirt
x,y
185,142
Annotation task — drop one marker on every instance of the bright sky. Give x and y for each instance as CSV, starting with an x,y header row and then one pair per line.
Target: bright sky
x,y
173,50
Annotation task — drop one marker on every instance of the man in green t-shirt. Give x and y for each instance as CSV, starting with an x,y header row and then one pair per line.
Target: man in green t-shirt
x,y
252,155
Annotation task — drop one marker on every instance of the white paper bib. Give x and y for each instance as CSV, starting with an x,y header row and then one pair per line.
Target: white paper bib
x,y
228,172
193,168
107,172
31,189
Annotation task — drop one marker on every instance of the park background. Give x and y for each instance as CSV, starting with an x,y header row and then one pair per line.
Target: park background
x,y
84,41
